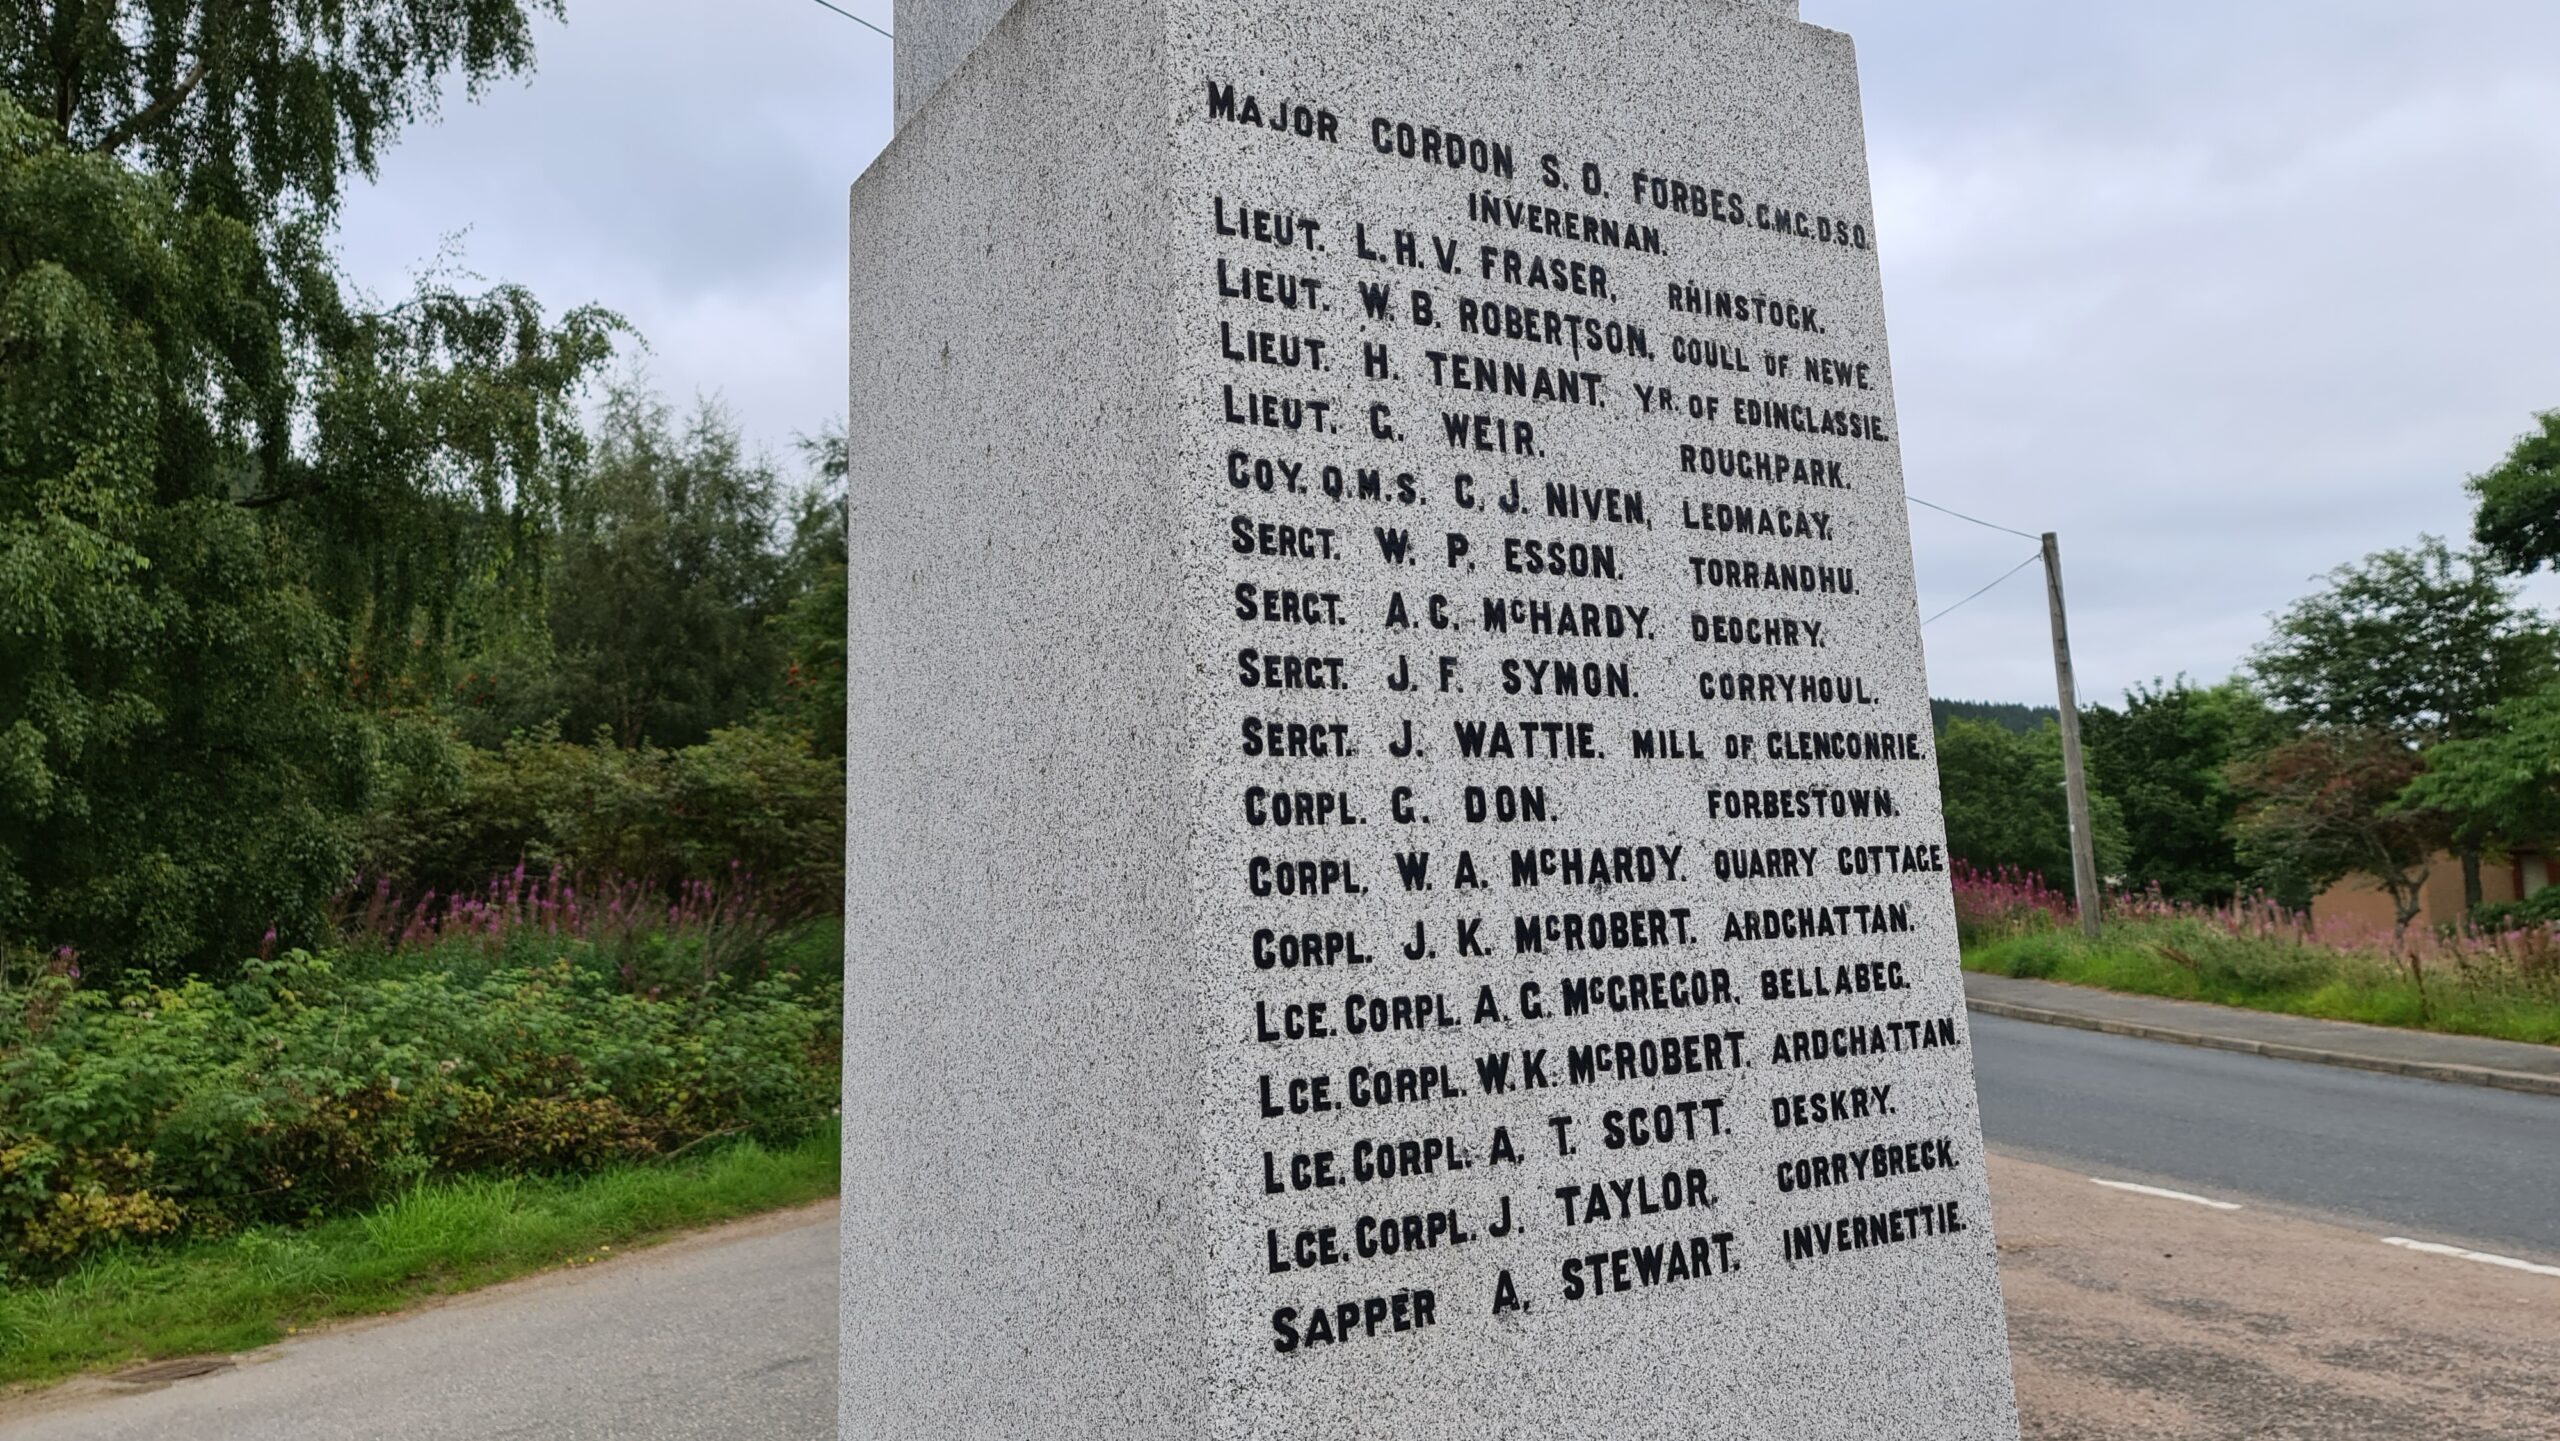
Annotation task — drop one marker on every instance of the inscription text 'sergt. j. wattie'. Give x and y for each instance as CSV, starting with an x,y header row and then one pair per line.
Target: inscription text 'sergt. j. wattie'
x,y
1566,973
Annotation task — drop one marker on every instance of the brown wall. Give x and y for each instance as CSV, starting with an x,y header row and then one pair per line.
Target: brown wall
x,y
2360,901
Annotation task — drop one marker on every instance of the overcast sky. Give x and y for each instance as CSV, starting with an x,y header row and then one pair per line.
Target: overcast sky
x,y
2226,292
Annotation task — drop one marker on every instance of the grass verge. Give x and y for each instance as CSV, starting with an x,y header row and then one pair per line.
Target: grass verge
x,y
2192,962
444,1237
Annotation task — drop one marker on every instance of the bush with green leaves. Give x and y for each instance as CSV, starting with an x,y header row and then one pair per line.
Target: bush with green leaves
x,y
755,797
309,1085
2537,912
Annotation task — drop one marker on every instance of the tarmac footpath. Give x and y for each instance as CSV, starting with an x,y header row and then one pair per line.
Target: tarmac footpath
x,y
2426,1055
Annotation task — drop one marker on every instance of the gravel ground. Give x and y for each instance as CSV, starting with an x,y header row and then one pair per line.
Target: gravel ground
x,y
2134,1318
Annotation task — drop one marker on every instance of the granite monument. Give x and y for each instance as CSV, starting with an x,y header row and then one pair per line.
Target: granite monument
x,y
1396,884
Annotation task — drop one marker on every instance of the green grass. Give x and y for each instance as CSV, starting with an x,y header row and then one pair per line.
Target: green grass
x,y
443,1237
2195,962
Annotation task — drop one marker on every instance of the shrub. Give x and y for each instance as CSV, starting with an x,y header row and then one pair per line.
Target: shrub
x,y
754,797
2540,911
312,1084
694,935
2257,953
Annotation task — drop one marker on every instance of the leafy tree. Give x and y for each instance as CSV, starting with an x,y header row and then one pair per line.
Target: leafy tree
x,y
410,453
256,109
238,511
668,575
176,744
813,624
2008,715
2508,779
2321,807
2164,760
442,432
2518,522
2414,644
2005,804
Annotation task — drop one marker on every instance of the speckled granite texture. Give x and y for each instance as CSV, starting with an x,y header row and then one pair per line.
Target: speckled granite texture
x,y
933,37
1022,1188
1396,884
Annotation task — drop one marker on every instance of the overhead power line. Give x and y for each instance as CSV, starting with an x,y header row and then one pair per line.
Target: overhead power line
x,y
1960,515
1986,590
856,19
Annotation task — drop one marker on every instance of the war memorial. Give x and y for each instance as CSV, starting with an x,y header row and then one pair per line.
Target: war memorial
x,y
1396,885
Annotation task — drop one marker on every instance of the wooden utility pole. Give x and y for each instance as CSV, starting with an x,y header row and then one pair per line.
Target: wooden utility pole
x,y
2075,775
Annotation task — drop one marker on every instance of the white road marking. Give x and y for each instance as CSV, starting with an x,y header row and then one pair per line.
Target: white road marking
x,y
2437,1248
2164,1195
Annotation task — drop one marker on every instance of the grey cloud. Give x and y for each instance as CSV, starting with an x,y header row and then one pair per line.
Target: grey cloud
x,y
683,163
2225,293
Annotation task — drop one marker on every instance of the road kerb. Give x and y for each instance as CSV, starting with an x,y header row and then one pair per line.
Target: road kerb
x,y
2445,1071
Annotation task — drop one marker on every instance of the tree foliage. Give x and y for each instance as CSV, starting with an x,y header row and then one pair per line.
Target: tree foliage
x,y
253,108
2163,760
668,576
813,626
441,433
679,601
235,509
2506,781
174,740
2518,520
2008,715
271,550
2416,643
410,453
2320,807
2005,804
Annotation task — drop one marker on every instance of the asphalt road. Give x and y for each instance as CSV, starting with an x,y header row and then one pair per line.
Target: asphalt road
x,y
2422,1159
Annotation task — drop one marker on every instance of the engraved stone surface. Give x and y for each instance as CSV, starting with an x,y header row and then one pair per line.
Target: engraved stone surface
x,y
1396,883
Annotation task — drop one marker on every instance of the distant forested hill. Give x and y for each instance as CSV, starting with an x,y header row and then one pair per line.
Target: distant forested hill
x,y
2007,715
